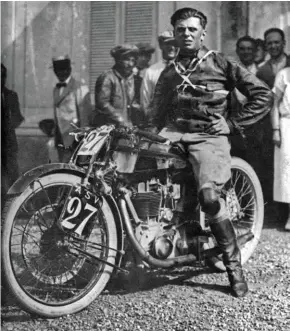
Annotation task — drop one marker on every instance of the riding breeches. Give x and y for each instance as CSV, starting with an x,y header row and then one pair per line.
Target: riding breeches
x,y
210,158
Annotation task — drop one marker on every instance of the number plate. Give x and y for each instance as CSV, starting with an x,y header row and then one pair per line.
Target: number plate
x,y
81,206
94,141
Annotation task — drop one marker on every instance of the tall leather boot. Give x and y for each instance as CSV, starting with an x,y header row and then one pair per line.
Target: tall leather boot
x,y
226,238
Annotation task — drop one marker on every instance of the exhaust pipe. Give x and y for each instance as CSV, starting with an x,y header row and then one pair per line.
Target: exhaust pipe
x,y
172,262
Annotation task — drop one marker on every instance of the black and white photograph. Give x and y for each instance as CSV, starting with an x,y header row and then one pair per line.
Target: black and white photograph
x,y
145,165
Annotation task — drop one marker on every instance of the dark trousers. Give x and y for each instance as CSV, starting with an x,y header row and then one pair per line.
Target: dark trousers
x,y
64,155
9,172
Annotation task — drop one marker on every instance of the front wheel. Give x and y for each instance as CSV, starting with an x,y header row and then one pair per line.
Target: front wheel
x,y
52,272
245,203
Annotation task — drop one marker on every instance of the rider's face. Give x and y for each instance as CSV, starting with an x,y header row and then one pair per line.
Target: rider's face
x,y
189,34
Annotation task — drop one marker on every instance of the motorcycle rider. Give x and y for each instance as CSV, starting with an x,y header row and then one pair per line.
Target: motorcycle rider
x,y
190,105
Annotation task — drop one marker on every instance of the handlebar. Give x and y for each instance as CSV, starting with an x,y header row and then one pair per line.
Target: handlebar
x,y
79,133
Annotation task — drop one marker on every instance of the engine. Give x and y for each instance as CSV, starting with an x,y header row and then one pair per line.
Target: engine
x,y
158,233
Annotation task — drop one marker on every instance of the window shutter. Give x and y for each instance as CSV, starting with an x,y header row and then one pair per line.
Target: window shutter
x,y
139,21
103,38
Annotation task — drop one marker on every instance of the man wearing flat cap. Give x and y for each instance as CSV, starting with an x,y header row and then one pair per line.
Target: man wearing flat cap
x,y
166,43
72,104
191,106
144,58
117,91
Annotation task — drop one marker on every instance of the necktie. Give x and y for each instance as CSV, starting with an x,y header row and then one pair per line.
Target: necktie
x,y
60,85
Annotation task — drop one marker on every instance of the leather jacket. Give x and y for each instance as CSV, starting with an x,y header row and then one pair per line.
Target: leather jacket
x,y
211,81
112,103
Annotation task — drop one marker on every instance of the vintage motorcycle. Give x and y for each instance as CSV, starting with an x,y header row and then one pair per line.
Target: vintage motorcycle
x,y
66,227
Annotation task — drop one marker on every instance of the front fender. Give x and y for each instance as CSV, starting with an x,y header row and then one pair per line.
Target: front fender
x,y
24,181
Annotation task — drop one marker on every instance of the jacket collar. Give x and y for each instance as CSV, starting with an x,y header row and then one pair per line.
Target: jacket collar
x,y
200,53
195,60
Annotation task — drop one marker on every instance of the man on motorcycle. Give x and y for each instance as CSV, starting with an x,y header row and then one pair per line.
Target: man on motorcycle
x,y
190,105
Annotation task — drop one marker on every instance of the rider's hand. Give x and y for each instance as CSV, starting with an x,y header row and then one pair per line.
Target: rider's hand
x,y
277,138
218,126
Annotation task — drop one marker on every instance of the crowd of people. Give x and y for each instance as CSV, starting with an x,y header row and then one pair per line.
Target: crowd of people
x,y
268,144
127,93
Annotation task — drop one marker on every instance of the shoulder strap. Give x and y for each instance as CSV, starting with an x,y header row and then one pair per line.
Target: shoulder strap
x,y
188,81
186,77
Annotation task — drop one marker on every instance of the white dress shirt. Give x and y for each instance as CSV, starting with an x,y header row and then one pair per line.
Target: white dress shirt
x,y
278,65
66,81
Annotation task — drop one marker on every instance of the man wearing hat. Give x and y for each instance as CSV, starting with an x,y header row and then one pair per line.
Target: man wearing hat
x,y
144,58
191,106
117,91
72,104
169,51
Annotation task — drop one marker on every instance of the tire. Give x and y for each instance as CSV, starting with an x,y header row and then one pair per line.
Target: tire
x,y
246,172
72,299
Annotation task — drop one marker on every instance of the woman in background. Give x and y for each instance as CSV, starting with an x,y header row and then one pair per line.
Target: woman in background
x,y
280,118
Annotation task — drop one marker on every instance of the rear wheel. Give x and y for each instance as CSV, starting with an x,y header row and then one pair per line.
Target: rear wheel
x,y
53,272
244,199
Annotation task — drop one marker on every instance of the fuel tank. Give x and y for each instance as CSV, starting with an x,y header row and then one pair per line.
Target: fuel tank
x,y
149,155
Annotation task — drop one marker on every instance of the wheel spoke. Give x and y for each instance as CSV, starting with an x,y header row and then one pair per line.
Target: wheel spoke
x,y
249,204
244,193
47,226
48,198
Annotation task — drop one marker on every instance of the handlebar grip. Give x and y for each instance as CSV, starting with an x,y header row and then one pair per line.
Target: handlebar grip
x,y
151,136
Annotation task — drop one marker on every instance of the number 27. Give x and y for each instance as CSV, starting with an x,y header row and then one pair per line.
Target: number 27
x,y
75,212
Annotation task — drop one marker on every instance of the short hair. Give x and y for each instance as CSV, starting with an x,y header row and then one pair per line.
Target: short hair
x,y
246,38
184,13
281,32
260,42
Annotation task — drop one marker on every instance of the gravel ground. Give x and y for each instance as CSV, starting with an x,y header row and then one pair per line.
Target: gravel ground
x,y
187,298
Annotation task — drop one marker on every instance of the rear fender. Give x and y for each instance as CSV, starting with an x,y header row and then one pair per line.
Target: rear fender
x,y
30,176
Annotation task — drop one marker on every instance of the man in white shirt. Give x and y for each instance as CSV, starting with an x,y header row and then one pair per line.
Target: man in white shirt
x,y
169,51
144,57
